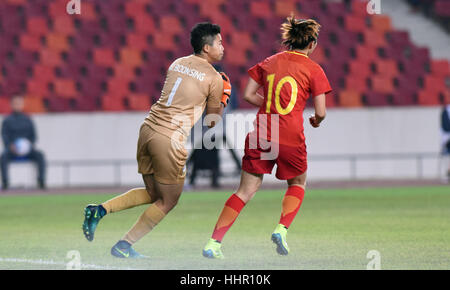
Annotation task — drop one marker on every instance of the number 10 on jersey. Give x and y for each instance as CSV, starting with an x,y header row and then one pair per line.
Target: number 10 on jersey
x,y
279,86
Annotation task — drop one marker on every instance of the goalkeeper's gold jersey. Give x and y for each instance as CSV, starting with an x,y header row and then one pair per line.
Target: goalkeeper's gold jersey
x,y
191,84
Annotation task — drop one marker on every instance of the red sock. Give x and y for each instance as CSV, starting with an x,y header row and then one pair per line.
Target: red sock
x,y
291,204
230,212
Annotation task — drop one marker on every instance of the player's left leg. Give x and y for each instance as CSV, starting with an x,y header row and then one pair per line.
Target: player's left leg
x,y
249,185
167,196
93,213
290,206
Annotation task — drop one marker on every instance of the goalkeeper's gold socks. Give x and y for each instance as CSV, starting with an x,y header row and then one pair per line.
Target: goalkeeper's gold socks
x,y
291,204
230,212
146,222
129,199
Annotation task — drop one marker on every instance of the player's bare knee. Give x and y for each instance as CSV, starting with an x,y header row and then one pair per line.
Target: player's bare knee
x,y
245,195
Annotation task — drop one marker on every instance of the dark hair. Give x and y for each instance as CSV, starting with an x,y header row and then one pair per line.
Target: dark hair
x,y
299,33
203,33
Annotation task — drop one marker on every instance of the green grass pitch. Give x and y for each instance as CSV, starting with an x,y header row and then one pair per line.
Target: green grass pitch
x,y
335,229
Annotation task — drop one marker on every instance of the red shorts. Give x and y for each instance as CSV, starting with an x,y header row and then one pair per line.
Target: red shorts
x,y
290,161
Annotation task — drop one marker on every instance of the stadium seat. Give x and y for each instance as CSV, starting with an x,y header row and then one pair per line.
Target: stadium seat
x,y
261,9
86,104
170,24
398,38
236,56
138,102
30,42
387,68
57,42
89,88
37,26
38,88
112,103
33,105
117,87
436,84
12,87
241,40
130,57
135,8
50,57
284,8
65,88
349,98
336,9
382,84
374,38
95,72
375,99
428,98
403,98
137,41
56,104
104,56
163,41
366,53
64,25
124,71
359,7
144,24
43,72
361,68
355,23
356,82
89,13
5,107
381,23
13,71
440,68
57,8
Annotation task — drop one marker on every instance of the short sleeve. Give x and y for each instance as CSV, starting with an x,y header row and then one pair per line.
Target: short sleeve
x,y
215,92
319,83
256,73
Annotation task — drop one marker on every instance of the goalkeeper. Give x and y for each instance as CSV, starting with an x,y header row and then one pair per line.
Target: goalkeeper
x,y
191,85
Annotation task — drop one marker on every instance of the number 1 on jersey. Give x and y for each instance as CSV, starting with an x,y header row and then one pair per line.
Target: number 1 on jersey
x,y
173,91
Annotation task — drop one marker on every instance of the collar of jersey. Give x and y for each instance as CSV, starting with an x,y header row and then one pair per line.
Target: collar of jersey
x,y
296,52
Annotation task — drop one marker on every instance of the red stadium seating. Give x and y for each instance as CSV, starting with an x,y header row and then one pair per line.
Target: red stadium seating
x,y
114,55
350,98
33,105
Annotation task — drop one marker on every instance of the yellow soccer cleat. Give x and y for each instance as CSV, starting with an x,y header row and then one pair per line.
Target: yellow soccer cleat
x,y
279,238
212,250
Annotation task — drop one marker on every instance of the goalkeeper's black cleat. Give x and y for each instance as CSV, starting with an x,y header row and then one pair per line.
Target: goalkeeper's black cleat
x,y
92,215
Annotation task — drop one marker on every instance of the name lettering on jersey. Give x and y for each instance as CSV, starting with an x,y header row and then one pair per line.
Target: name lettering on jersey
x,y
187,71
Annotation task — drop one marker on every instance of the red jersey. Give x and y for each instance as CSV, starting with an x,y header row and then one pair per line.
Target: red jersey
x,y
289,78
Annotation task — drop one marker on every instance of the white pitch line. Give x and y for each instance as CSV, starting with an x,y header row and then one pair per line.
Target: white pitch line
x,y
51,262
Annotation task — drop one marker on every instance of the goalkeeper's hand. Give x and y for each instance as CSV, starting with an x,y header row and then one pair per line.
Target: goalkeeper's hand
x,y
226,89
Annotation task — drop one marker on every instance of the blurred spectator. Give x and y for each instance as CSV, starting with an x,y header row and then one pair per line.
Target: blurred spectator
x,y
208,159
19,138
445,130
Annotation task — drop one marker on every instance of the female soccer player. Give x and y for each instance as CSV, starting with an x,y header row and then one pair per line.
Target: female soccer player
x,y
192,86
288,78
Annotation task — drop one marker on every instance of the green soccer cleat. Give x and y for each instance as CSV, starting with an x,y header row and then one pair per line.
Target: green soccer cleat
x,y
212,250
122,249
92,215
279,238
